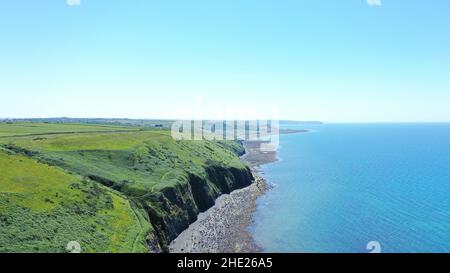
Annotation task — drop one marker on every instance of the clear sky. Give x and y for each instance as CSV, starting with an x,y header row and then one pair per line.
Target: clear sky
x,y
327,60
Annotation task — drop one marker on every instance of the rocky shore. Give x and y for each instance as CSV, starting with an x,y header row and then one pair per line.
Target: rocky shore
x,y
223,228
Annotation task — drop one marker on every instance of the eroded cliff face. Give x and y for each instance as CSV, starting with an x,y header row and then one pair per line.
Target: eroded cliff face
x,y
174,208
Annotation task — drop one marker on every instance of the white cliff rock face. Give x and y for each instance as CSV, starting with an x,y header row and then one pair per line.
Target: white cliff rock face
x,y
222,228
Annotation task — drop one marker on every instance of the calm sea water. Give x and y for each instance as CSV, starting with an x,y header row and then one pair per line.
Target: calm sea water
x,y
341,186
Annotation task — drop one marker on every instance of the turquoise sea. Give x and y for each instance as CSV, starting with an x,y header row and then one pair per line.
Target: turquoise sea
x,y
341,186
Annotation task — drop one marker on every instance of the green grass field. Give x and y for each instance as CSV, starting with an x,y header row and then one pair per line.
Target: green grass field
x,y
43,208
100,185
29,128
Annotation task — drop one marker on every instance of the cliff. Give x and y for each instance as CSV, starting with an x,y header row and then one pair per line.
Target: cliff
x,y
167,183
174,208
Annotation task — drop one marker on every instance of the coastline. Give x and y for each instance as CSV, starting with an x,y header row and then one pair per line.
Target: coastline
x,y
223,228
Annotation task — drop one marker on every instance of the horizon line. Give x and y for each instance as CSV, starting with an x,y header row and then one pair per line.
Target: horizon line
x,y
174,119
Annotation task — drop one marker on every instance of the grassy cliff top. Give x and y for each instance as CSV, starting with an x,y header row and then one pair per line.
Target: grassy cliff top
x,y
133,160
79,182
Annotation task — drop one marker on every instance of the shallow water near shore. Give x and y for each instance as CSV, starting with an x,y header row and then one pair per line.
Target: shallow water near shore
x,y
343,185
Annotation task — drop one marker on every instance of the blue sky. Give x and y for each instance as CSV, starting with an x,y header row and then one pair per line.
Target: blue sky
x,y
336,61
